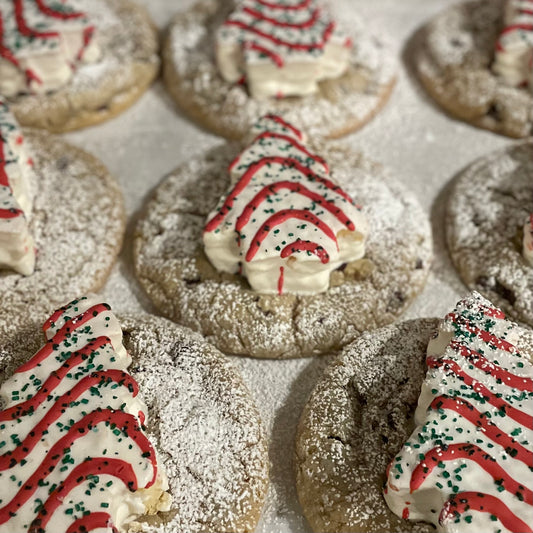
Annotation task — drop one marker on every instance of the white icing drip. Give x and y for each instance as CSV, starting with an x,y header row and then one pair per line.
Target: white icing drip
x,y
267,267
17,249
112,388
527,242
274,57
444,429
513,59
47,61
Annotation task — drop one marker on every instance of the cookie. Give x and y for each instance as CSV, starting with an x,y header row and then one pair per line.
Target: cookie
x,y
99,90
201,420
173,269
357,418
77,223
486,210
454,56
341,105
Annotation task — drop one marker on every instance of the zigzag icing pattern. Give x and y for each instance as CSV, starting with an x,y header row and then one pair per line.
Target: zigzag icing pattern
x,y
468,465
17,250
284,223
41,43
514,50
73,453
528,240
281,47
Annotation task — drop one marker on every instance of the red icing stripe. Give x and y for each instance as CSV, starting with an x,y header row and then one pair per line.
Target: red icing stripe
x,y
485,336
281,279
53,381
81,473
306,246
295,144
10,459
116,419
280,42
91,522
4,180
295,187
11,213
279,218
489,429
24,29
88,34
285,124
50,12
276,58
249,174
460,503
299,25
469,452
500,374
302,5
451,366
61,335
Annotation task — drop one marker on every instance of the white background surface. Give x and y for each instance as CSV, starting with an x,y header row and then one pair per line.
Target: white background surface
x,y
423,147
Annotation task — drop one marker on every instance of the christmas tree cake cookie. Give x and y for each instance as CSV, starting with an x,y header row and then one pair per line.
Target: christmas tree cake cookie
x,y
444,439
228,63
476,60
75,455
488,225
61,221
175,442
72,63
288,253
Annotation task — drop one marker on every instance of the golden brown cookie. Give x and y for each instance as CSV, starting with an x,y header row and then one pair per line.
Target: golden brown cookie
x,y
173,269
485,217
453,55
342,105
77,223
100,91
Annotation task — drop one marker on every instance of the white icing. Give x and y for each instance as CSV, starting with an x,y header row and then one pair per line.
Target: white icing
x,y
17,250
513,59
300,272
275,59
46,62
107,390
445,430
527,242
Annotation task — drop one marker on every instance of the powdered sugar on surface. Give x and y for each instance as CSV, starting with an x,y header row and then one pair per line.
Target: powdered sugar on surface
x,y
411,136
